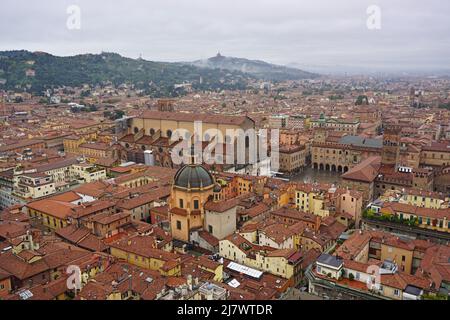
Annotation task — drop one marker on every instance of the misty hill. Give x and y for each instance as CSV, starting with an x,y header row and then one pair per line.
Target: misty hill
x,y
38,71
256,68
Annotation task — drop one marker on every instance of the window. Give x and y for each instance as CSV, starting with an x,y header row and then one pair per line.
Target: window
x,y
196,205
210,229
169,133
396,292
152,131
403,258
178,225
181,203
136,129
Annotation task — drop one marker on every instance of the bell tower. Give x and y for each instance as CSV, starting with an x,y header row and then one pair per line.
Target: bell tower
x,y
391,145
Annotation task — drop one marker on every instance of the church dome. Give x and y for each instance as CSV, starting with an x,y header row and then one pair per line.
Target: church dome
x,y
193,176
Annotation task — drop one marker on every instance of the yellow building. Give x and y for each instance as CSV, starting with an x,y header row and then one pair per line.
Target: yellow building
x,y
204,263
94,151
400,252
143,255
281,262
52,214
192,187
426,199
72,143
427,218
311,199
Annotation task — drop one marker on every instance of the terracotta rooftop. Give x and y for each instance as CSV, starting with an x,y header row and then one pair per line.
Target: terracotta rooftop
x,y
366,171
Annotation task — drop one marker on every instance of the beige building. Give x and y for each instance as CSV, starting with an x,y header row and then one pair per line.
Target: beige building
x,y
34,186
165,123
278,236
280,262
87,173
279,121
342,125
438,154
220,217
292,159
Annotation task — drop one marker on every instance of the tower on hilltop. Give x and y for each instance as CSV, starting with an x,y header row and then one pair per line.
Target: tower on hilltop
x,y
166,105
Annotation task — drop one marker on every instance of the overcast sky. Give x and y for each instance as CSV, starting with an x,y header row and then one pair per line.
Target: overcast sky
x,y
414,34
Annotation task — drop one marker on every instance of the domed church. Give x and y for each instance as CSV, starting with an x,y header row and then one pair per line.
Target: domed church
x,y
192,187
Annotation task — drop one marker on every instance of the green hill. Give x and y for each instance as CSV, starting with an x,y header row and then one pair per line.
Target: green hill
x,y
38,71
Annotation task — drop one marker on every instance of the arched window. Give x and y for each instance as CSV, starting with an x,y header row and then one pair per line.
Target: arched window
x,y
143,148
169,133
152,131
136,129
196,204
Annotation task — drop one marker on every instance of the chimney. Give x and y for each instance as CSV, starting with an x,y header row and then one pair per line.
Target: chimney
x,y
317,223
189,282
